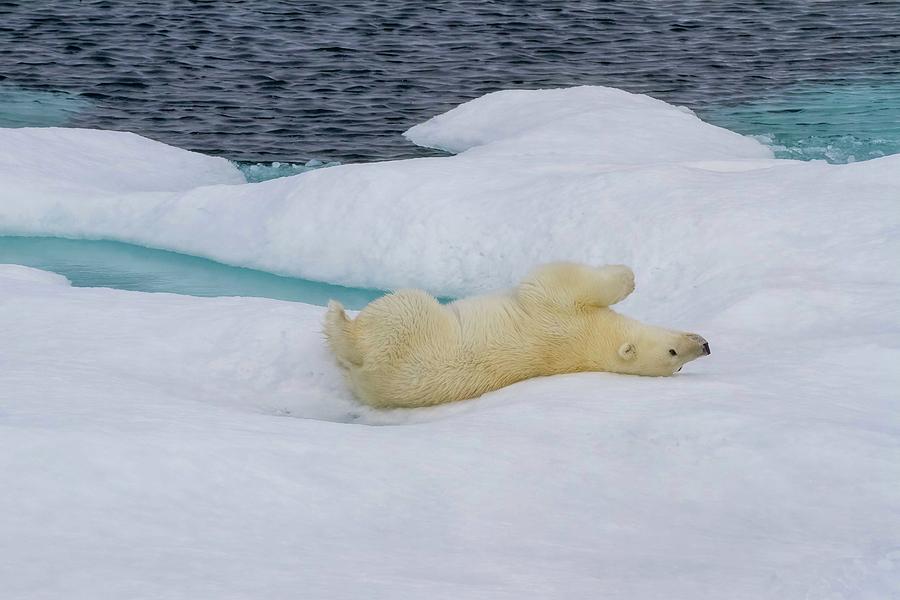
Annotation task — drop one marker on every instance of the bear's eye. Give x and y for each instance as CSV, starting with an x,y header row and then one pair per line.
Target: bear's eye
x,y
672,352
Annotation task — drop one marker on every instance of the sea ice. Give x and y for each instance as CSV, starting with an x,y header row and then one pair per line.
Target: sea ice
x,y
600,124
156,445
471,222
162,445
64,161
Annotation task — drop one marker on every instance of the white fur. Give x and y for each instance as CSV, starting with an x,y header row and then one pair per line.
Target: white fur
x,y
407,350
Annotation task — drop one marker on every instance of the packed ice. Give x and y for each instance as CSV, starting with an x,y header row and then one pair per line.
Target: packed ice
x,y
159,445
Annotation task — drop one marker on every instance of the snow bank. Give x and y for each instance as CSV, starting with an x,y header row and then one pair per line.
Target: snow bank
x,y
66,160
479,220
156,445
16,274
457,226
589,123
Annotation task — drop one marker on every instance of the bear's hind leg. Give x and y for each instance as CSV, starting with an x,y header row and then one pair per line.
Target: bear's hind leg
x,y
575,286
339,333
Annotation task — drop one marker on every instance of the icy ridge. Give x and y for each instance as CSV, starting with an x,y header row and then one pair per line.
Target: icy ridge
x,y
471,222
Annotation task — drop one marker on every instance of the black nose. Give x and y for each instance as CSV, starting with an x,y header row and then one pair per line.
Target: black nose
x,y
705,348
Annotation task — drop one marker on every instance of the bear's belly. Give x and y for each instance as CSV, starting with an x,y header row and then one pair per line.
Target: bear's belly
x,y
428,378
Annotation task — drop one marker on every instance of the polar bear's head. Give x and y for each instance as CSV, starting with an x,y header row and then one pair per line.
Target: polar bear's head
x,y
639,349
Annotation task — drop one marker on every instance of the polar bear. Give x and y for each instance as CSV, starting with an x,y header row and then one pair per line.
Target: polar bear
x,y
406,350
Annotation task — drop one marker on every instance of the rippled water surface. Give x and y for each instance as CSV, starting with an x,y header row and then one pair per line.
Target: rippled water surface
x,y
291,81
837,123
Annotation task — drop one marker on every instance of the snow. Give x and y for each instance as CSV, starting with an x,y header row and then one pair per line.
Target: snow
x,y
157,445
479,220
441,223
65,160
17,273
598,123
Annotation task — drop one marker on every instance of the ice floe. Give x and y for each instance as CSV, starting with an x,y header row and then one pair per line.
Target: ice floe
x,y
162,445
594,123
480,219
68,159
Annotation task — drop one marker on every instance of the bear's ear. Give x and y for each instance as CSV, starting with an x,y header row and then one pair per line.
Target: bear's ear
x,y
627,351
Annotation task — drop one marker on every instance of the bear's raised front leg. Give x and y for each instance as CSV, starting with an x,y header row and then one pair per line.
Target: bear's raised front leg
x,y
575,286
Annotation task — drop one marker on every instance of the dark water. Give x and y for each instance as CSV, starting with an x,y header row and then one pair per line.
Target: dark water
x,y
289,81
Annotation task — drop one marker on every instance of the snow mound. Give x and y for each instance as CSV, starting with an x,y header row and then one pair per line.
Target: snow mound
x,y
20,275
597,123
479,220
104,160
173,446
